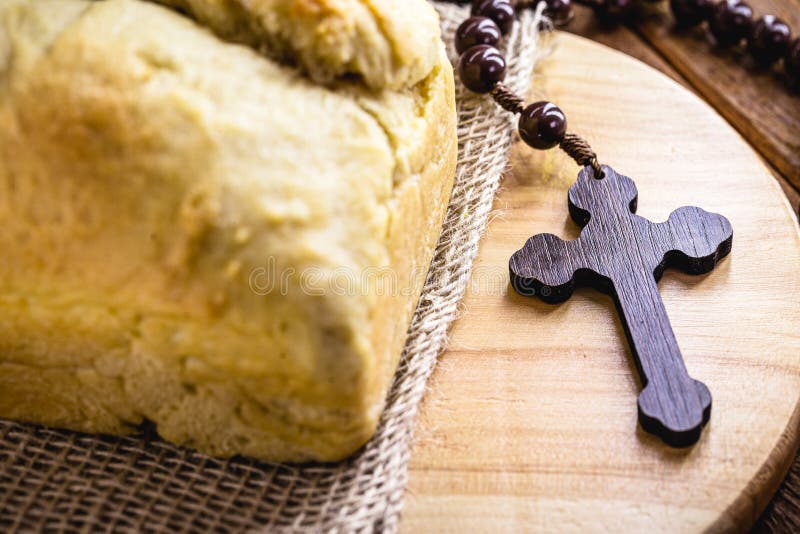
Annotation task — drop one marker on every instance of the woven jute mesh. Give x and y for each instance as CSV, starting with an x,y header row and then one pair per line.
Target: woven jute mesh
x,y
57,480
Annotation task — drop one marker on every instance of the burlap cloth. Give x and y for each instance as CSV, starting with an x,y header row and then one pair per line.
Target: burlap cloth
x,y
64,481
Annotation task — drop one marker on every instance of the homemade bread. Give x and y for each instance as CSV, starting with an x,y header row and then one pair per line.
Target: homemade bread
x,y
197,235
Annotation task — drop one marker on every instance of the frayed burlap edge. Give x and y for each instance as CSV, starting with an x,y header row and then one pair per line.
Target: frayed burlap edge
x,y
63,481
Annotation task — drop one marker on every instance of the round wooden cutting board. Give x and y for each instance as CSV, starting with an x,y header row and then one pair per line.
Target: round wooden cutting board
x,y
530,420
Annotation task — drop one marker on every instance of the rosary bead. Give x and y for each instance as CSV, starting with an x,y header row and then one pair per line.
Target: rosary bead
x,y
500,11
730,22
560,11
481,67
690,13
542,125
770,39
475,31
791,64
616,10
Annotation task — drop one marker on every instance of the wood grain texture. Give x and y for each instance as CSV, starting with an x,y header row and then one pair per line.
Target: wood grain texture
x,y
624,255
620,37
586,23
752,98
525,428
783,514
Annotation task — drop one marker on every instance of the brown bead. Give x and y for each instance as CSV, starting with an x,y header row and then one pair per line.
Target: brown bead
x,y
559,11
481,67
690,13
730,22
770,39
476,31
500,11
542,125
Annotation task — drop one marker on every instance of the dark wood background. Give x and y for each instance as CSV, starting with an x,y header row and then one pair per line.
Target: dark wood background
x,y
753,100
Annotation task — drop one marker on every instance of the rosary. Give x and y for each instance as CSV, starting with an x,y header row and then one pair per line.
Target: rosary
x,y
617,251
769,39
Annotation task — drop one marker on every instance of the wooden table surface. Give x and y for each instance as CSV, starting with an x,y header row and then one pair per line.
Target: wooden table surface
x,y
753,100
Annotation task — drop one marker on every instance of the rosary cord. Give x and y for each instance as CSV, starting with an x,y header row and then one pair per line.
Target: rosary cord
x,y
578,149
507,99
574,145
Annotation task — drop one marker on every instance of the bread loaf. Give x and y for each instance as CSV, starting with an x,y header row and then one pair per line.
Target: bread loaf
x,y
217,219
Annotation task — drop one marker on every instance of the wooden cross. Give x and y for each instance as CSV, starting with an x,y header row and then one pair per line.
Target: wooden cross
x,y
624,255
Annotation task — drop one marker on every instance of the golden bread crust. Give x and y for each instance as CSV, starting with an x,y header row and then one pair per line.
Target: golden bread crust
x,y
386,43
178,214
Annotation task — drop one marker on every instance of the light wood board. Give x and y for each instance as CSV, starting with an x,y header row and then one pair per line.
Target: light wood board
x,y
530,423
755,100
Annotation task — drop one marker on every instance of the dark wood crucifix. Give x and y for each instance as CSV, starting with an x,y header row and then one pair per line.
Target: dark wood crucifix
x,y
624,255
